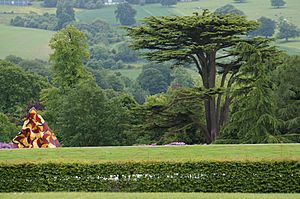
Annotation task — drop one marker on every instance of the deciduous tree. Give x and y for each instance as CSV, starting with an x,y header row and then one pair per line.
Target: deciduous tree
x,y
168,2
277,3
125,14
266,28
70,50
228,9
287,30
18,87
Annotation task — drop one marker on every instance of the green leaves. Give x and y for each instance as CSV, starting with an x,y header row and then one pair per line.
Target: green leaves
x,y
18,87
243,177
178,37
70,50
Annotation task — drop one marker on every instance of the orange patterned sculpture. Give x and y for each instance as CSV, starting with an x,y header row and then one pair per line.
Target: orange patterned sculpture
x,y
35,133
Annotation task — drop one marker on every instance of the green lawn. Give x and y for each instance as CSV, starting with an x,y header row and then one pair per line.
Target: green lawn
x,y
24,42
75,195
158,153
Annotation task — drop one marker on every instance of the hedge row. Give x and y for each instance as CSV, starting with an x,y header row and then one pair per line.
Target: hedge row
x,y
259,177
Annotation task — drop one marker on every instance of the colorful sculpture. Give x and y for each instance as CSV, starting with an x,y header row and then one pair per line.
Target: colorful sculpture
x,y
35,133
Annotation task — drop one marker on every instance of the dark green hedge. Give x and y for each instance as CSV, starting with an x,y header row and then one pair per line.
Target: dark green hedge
x,y
260,177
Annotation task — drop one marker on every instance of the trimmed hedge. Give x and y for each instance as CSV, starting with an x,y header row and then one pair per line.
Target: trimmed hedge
x,y
258,177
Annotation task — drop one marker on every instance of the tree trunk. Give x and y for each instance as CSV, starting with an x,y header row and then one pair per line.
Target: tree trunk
x,y
209,80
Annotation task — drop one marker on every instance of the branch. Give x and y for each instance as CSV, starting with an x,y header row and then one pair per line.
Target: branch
x,y
197,65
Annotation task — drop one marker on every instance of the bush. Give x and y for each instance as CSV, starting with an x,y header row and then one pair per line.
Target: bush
x,y
253,177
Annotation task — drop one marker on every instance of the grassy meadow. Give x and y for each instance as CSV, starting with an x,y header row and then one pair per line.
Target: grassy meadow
x,y
24,42
154,153
35,46
77,195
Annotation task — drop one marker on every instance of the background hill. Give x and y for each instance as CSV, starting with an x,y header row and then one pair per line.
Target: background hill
x,y
38,40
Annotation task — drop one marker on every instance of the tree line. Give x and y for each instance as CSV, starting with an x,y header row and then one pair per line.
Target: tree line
x,y
246,92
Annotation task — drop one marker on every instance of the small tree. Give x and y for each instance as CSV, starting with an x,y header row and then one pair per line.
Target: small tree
x,y
228,9
266,28
240,1
287,30
277,3
168,2
125,14
49,3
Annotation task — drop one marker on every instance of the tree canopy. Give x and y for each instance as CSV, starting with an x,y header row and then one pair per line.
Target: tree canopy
x,y
125,14
196,39
253,119
18,88
277,3
228,9
70,50
287,30
266,27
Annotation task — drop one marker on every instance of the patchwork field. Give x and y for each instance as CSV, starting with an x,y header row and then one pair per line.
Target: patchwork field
x,y
36,42
76,195
154,153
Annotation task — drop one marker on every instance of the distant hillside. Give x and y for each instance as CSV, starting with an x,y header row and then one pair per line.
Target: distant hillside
x,y
24,42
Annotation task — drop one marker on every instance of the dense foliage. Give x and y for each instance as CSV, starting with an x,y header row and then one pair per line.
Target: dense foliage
x,y
228,9
197,39
18,88
278,3
125,14
266,28
245,177
247,92
87,4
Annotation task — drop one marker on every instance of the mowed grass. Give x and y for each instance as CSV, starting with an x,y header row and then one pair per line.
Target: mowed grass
x,y
155,153
24,42
99,195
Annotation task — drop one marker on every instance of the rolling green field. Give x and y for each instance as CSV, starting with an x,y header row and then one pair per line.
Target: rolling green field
x,y
24,42
35,46
157,153
253,9
72,195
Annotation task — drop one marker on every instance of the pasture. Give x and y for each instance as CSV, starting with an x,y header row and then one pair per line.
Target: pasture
x,y
24,42
98,195
154,153
36,43
253,10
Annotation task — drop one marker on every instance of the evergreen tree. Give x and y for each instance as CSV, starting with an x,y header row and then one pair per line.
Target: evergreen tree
x,y
287,78
173,116
197,39
253,119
